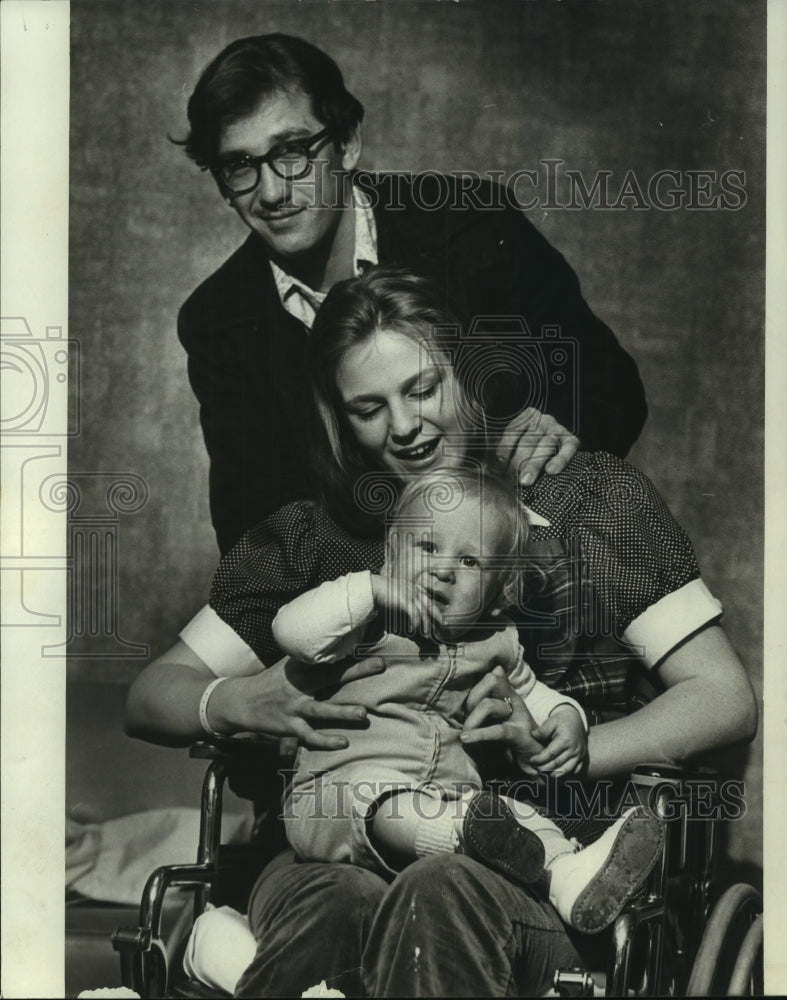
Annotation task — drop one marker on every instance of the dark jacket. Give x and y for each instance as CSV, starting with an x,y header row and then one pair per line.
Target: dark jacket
x,y
247,354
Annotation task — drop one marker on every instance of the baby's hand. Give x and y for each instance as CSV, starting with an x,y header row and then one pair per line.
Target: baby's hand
x,y
497,714
566,742
407,607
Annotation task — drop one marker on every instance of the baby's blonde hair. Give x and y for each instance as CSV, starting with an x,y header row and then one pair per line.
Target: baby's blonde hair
x,y
442,490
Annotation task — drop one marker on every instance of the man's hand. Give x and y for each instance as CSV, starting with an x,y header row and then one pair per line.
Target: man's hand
x,y
534,441
494,700
566,742
284,701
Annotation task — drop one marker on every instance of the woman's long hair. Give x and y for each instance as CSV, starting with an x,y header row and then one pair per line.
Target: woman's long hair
x,y
385,298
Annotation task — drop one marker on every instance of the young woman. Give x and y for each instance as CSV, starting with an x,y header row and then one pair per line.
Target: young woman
x,y
623,589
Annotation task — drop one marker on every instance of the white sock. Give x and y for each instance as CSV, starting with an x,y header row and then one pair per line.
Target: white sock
x,y
436,835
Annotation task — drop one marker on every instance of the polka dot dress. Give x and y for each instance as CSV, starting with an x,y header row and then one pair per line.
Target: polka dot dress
x,y
617,530
611,550
294,550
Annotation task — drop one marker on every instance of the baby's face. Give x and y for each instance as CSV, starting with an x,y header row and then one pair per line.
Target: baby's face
x,y
451,555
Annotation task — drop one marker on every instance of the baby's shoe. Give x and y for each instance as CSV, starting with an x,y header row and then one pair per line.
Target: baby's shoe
x,y
590,887
492,835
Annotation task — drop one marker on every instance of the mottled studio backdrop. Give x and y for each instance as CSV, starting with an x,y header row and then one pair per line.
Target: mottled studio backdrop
x,y
621,87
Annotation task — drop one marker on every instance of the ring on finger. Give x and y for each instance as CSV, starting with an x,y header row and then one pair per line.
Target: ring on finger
x,y
508,702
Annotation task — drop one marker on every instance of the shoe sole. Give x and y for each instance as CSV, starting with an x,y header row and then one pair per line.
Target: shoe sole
x,y
638,846
493,836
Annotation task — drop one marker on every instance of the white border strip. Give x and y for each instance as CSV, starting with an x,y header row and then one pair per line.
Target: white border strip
x,y
775,646
34,282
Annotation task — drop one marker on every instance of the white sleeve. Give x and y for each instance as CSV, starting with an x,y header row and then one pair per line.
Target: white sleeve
x,y
219,647
671,620
325,624
539,699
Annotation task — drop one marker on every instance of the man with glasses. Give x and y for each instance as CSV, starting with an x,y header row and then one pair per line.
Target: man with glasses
x,y
272,120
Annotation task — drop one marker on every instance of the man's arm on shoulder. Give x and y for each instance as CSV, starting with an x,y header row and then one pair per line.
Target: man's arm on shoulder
x,y
595,392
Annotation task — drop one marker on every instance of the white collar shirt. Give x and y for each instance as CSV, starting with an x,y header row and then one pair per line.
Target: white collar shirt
x,y
298,298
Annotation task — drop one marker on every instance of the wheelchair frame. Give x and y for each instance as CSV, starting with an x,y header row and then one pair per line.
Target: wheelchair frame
x,y
666,942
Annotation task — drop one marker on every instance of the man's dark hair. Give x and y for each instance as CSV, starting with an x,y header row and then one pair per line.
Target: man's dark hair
x,y
248,70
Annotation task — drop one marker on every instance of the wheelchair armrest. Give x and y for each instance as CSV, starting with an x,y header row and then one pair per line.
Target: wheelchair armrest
x,y
253,766
673,772
690,796
214,748
234,748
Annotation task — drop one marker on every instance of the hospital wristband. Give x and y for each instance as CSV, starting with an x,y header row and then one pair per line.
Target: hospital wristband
x,y
203,708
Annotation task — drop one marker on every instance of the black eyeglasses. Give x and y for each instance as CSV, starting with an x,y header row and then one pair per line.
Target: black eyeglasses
x,y
289,161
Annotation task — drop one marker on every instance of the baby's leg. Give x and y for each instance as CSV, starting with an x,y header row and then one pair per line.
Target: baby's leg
x,y
334,818
318,818
587,886
413,823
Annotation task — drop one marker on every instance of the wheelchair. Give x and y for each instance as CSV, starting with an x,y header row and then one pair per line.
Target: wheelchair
x,y
677,937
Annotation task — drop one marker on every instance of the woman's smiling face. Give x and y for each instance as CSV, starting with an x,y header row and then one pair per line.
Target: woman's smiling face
x,y
401,403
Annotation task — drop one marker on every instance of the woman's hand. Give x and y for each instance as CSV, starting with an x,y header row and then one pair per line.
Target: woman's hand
x,y
284,701
534,441
493,699
566,747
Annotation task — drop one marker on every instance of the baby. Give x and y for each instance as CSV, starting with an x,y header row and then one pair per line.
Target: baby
x,y
404,786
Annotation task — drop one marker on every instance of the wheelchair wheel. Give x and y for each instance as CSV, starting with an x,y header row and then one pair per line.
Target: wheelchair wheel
x,y
729,959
